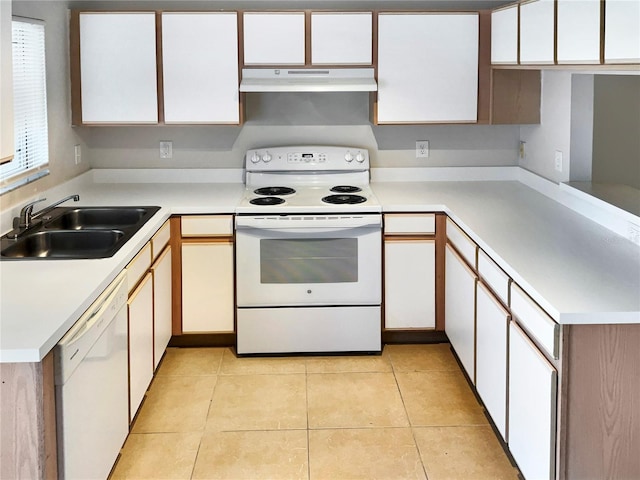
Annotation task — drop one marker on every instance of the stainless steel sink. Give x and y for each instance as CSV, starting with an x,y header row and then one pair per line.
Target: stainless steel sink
x,y
65,244
98,217
76,232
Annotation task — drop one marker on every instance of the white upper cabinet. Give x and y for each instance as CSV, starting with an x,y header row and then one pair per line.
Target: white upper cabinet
x,y
6,85
118,67
274,38
622,31
504,35
578,31
341,38
427,68
200,67
537,32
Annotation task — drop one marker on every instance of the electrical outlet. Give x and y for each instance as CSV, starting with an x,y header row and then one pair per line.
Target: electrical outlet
x,y
522,152
422,149
166,149
633,233
77,154
558,158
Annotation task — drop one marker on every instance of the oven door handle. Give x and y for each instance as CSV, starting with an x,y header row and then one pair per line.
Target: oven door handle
x,y
309,224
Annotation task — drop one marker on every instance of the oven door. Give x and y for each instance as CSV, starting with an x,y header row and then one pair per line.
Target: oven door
x,y
294,260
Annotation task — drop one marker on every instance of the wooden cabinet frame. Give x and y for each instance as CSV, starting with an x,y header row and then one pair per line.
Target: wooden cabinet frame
x,y
75,66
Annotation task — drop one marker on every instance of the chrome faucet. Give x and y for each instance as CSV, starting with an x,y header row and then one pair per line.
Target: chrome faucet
x,y
26,218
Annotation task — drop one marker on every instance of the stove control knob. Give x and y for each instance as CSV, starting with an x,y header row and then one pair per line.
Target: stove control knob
x,y
255,158
348,157
266,157
359,157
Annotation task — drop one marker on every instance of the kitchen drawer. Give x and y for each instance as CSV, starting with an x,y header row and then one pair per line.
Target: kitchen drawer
x,y
207,225
464,245
138,266
535,320
410,223
493,276
160,240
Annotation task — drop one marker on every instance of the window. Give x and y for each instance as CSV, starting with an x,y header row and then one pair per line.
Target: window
x,y
29,104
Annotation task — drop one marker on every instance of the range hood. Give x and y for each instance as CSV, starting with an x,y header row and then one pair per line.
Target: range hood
x,y
308,80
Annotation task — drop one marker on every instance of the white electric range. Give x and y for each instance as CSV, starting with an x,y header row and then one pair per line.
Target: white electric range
x,y
308,252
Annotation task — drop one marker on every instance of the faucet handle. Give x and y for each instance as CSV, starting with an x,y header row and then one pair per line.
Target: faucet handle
x,y
24,221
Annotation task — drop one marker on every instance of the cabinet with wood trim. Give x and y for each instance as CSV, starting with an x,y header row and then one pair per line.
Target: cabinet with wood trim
x,y
114,73
622,31
437,82
274,38
307,38
200,67
537,25
460,304
162,295
504,36
116,57
532,407
492,321
409,271
6,85
578,31
341,38
207,276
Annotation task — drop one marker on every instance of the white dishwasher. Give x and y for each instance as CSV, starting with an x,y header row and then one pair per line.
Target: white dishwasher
x,y
91,376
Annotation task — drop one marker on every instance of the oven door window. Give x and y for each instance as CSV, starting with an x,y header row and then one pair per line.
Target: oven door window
x,y
302,260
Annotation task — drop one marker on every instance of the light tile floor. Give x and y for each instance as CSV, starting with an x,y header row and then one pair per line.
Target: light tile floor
x,y
407,414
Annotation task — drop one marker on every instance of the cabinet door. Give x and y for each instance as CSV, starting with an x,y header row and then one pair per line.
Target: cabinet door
x,y
427,68
6,85
409,283
537,32
532,407
200,67
118,67
460,304
578,31
274,38
504,35
207,287
341,38
161,271
622,31
140,309
492,322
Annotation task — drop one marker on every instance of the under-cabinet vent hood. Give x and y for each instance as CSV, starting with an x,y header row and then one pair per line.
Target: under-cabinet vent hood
x,y
308,80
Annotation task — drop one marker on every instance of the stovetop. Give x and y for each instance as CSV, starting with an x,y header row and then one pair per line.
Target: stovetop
x,y
307,179
309,199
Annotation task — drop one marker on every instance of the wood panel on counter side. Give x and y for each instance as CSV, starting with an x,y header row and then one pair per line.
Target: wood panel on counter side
x,y
28,427
602,371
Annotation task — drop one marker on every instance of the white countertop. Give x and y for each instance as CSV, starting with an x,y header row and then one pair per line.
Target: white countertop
x,y
577,270
42,299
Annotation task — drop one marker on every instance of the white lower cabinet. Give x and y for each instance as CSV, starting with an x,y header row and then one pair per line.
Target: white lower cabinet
x,y
161,271
409,276
140,310
532,407
492,322
207,287
460,304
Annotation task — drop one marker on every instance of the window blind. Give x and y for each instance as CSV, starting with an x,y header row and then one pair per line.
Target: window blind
x,y
30,99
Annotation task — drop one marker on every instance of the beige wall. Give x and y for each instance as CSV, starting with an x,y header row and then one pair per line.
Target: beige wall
x,y
616,130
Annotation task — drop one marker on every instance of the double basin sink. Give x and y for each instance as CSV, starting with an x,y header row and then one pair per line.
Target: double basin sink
x,y
77,233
